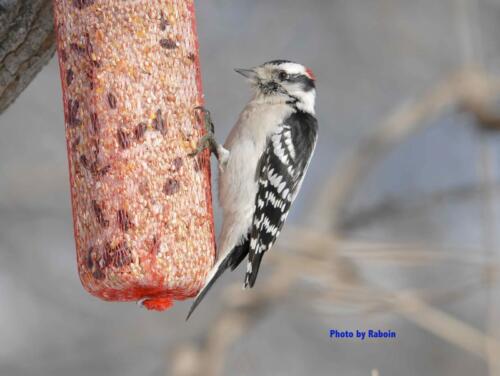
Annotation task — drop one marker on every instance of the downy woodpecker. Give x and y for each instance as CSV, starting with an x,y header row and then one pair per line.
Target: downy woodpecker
x,y
262,164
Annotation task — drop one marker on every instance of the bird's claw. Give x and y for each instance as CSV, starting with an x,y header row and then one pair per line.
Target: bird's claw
x,y
208,140
209,124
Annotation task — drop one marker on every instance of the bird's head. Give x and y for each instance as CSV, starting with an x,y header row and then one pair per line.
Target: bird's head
x,y
283,80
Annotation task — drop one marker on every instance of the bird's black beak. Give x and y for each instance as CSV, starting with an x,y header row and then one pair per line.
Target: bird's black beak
x,y
247,73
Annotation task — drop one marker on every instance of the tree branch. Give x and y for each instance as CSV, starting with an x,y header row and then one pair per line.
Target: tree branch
x,y
26,44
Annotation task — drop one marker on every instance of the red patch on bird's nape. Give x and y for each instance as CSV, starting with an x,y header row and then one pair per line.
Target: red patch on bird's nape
x,y
310,73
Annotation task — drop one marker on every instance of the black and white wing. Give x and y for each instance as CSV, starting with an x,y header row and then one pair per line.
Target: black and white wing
x,y
279,175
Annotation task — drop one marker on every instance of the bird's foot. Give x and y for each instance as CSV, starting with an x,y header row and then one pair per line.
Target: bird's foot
x,y
209,141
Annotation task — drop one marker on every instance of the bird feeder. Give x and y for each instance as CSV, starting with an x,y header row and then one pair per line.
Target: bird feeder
x,y
142,208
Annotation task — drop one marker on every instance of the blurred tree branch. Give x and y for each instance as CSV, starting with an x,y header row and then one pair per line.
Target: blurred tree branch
x,y
27,42
471,89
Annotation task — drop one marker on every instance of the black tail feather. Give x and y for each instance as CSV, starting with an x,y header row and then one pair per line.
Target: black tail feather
x,y
235,257
252,277
222,268
239,253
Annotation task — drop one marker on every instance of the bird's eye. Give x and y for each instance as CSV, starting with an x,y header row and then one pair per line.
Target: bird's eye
x,y
283,76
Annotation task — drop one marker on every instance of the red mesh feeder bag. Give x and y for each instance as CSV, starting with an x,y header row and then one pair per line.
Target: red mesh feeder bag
x,y
141,206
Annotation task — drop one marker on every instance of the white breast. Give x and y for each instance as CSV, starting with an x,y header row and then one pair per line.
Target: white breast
x,y
237,183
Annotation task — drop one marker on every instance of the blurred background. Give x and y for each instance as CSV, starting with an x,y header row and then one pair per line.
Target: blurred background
x,y
396,226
